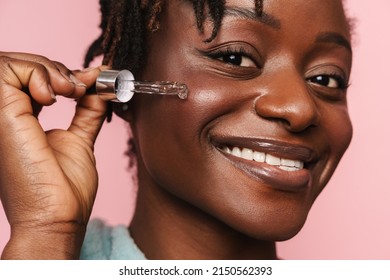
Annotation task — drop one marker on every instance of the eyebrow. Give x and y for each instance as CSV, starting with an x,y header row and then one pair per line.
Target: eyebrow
x,y
334,38
323,37
251,15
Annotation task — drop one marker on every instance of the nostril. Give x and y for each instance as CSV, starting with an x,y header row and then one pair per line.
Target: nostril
x,y
299,128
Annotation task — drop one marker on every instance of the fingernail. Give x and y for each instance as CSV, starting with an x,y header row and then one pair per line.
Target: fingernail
x,y
76,81
53,96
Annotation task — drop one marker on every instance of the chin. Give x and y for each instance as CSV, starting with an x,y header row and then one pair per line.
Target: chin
x,y
279,227
279,232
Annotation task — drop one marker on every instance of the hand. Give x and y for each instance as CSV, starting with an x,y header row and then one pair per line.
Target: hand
x,y
48,180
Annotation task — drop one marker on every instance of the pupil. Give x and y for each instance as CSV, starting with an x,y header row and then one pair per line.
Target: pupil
x,y
233,59
322,80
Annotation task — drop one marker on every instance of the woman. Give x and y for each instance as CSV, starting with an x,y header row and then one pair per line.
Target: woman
x,y
223,174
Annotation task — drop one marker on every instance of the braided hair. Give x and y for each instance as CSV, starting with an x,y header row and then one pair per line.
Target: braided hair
x,y
125,23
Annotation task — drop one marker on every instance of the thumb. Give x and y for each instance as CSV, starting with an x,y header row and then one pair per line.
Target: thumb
x,y
89,118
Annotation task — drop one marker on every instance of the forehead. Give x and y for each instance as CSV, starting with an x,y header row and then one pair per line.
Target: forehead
x,y
302,13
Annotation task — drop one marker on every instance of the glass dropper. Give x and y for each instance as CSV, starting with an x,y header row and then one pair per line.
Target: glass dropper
x,y
120,86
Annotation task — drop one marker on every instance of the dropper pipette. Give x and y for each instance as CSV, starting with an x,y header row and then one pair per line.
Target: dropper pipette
x,y
120,86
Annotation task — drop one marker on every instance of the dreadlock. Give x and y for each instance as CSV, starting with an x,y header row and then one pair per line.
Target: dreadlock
x,y
124,25
96,47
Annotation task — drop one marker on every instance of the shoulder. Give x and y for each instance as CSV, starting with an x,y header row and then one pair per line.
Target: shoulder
x,y
105,242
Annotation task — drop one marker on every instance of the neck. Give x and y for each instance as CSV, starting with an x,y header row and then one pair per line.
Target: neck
x,y
166,227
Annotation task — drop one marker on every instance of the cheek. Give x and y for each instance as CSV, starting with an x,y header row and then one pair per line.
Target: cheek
x,y
338,131
172,133
173,141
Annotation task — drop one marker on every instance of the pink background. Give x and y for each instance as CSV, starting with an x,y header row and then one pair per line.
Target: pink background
x,y
350,220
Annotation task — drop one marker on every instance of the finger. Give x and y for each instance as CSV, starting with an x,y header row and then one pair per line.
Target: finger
x,y
89,76
89,117
25,74
61,80
79,87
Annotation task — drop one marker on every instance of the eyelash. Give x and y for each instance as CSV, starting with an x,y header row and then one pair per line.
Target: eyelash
x,y
229,51
342,83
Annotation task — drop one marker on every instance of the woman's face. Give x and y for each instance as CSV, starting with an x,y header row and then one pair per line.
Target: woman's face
x,y
266,120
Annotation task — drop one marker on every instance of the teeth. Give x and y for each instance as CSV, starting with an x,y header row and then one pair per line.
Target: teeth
x,y
236,152
247,154
298,164
259,157
270,159
282,163
288,168
287,162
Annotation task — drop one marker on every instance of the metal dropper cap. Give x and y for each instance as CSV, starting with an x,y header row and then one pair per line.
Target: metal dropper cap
x,y
113,85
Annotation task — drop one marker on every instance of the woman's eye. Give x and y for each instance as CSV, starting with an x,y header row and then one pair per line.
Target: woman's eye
x,y
328,81
236,59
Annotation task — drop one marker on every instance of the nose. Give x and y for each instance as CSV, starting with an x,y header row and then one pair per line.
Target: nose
x,y
288,99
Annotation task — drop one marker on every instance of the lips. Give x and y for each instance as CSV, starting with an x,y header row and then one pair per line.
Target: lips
x,y
279,165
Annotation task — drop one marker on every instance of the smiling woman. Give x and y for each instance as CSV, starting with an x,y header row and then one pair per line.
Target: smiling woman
x,y
223,174
257,139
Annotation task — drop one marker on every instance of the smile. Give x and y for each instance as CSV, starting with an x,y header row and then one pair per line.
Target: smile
x,y
251,155
276,164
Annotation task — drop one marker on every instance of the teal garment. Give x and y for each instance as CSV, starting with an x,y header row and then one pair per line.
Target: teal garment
x,y
103,242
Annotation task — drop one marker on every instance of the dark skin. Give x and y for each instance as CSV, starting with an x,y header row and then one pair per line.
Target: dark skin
x,y
48,180
274,85
203,203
